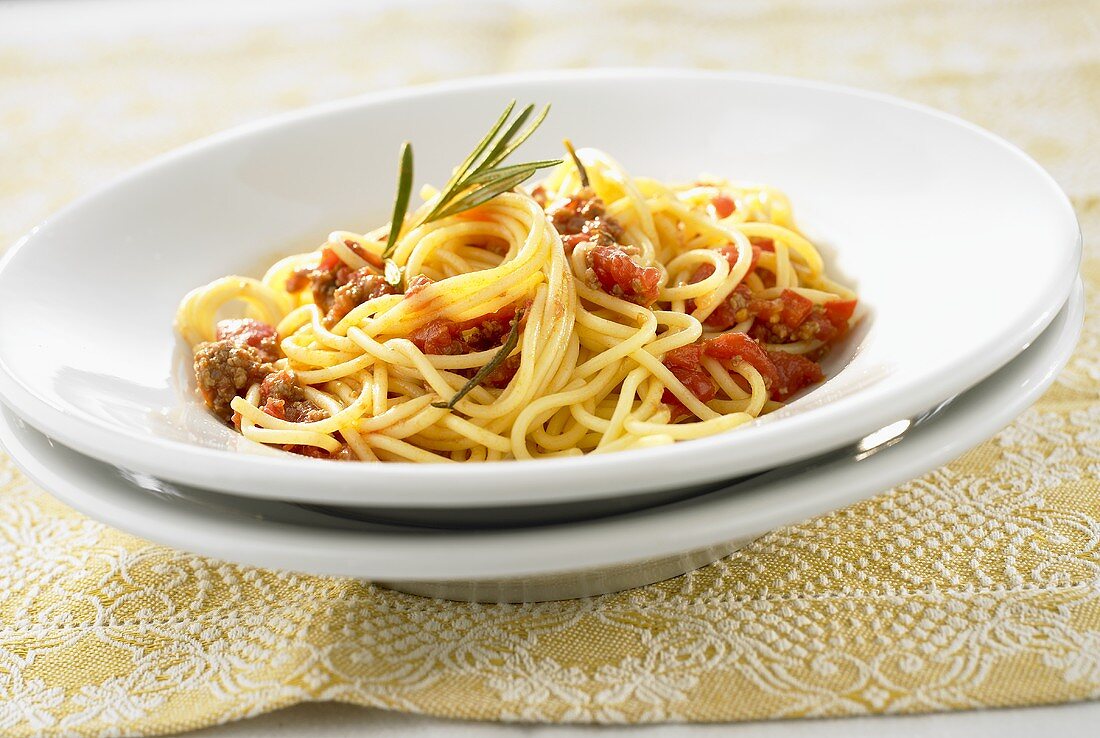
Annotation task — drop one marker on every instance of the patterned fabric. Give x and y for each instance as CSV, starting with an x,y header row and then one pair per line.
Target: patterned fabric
x,y
976,585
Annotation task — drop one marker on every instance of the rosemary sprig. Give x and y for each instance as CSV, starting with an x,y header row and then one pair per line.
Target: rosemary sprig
x,y
577,162
482,166
401,201
509,345
477,180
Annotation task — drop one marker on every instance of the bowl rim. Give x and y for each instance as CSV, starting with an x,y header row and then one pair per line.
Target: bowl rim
x,y
273,477
780,497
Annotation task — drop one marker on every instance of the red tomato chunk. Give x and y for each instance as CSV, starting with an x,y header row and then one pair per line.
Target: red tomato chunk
x,y
618,275
724,206
783,373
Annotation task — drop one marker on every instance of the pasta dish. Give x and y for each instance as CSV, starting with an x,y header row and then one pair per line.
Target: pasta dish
x,y
595,311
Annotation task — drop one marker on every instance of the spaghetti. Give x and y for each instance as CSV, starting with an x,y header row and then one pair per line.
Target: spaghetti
x,y
593,313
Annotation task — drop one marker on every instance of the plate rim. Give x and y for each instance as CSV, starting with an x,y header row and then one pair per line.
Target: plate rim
x,y
710,519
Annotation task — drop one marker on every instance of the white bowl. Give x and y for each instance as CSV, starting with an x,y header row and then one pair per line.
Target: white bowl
x,y
961,247
549,562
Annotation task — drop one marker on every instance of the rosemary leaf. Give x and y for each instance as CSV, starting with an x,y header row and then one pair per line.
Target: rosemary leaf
x,y
522,137
494,155
501,172
577,162
509,345
485,193
452,186
401,201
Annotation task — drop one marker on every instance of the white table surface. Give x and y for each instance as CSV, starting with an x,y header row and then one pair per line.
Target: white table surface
x,y
28,23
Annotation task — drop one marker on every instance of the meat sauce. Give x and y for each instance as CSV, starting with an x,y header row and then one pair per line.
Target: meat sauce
x,y
337,289
450,338
243,354
783,373
612,266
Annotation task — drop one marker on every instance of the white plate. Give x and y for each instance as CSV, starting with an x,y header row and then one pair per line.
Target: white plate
x,y
548,562
962,248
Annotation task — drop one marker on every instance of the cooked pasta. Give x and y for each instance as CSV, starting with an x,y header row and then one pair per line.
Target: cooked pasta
x,y
595,312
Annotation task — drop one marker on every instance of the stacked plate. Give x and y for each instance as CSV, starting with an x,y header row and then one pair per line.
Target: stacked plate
x,y
963,250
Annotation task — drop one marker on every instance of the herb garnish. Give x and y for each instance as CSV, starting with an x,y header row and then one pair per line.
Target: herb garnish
x,y
487,172
481,169
401,201
577,162
509,345
477,180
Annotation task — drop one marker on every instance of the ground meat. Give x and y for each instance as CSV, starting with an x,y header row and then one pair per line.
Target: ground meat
x,y
417,285
329,275
583,217
614,271
362,285
282,397
503,374
314,452
225,369
540,196
254,333
298,279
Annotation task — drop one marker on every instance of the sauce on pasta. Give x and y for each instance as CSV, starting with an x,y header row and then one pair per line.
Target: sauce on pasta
x,y
593,312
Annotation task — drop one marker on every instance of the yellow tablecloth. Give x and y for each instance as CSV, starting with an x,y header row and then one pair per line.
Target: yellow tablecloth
x,y
976,585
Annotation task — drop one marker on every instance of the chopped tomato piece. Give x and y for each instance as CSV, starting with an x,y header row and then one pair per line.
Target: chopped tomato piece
x,y
796,308
731,347
784,373
839,312
434,337
329,260
618,275
684,357
765,244
794,372
790,307
684,363
276,408
723,205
